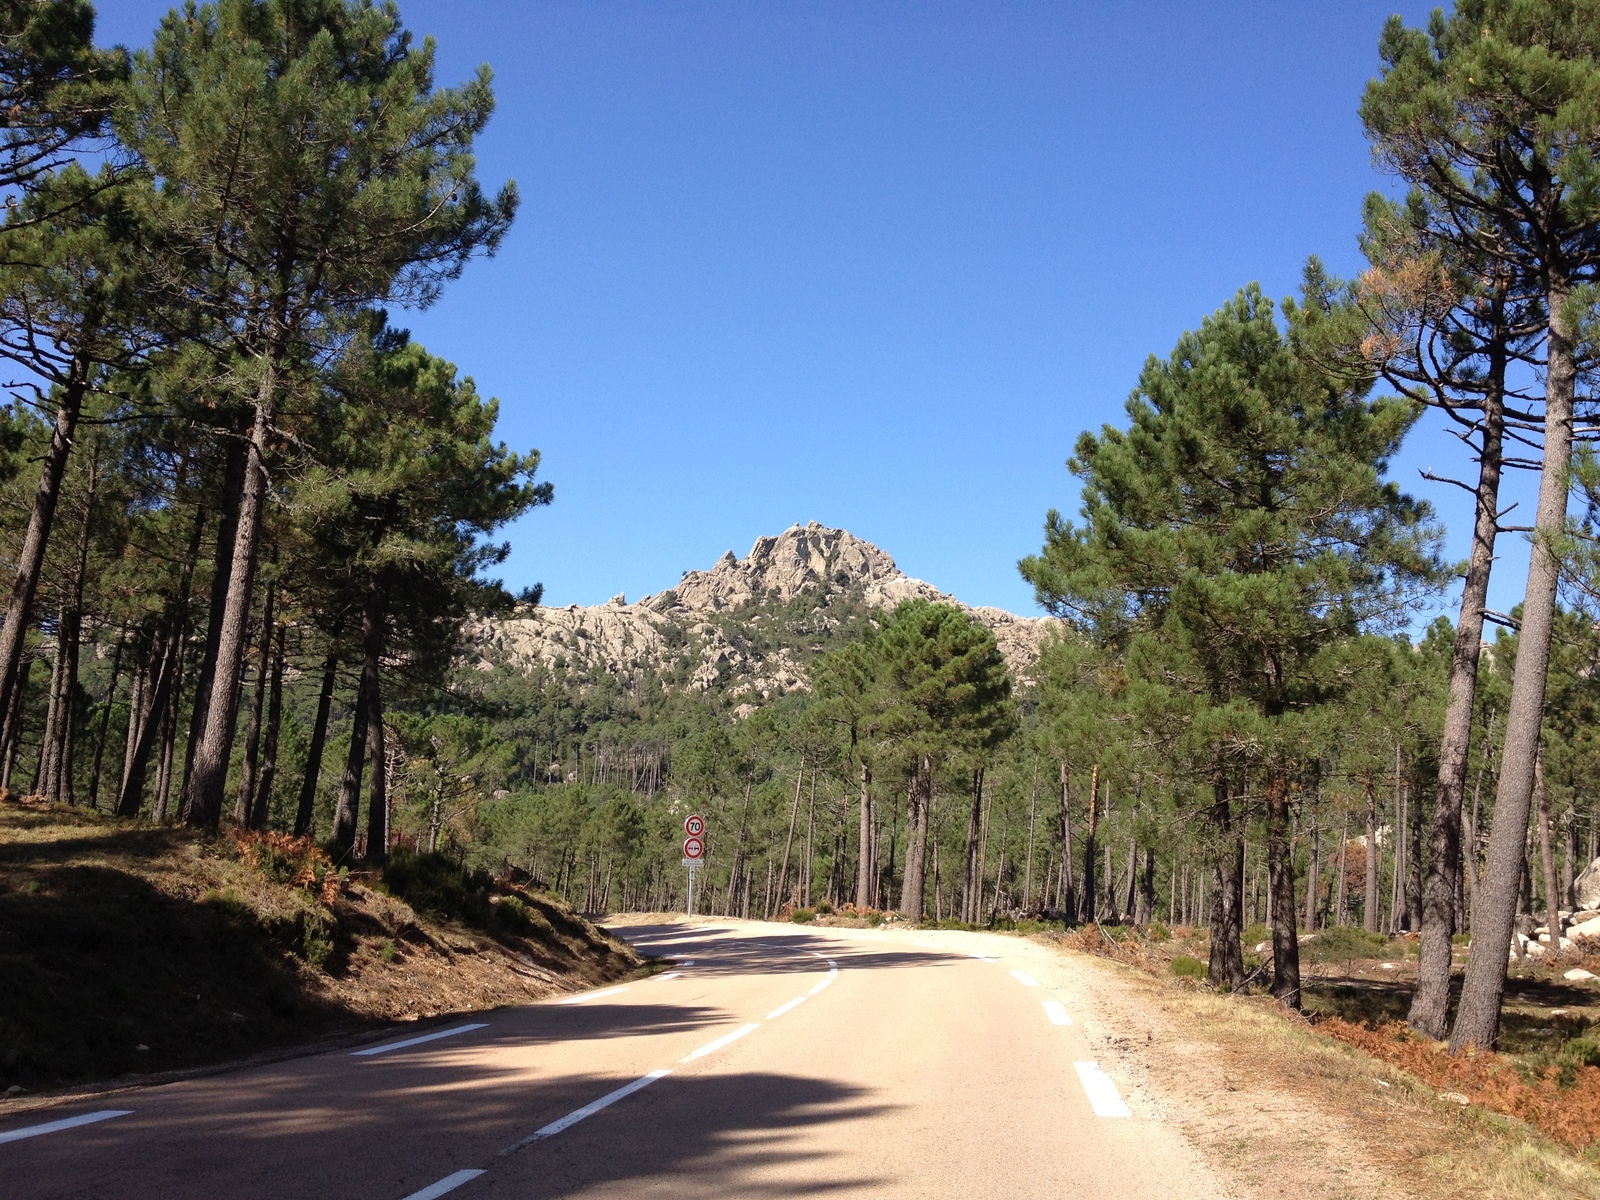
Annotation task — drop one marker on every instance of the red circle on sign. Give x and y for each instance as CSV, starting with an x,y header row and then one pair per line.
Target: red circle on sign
x,y
694,826
693,847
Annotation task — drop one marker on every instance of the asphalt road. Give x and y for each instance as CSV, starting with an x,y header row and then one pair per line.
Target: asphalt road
x,y
772,1060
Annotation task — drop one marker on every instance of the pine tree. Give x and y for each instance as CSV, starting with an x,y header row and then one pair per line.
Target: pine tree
x,y
1238,531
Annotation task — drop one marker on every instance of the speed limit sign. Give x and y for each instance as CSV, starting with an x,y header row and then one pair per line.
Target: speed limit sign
x,y
694,826
693,849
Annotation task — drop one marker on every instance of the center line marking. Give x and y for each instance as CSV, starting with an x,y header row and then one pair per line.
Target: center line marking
x,y
588,1110
28,1131
722,1041
592,995
1056,1013
783,1008
417,1041
448,1184
1024,979
1103,1095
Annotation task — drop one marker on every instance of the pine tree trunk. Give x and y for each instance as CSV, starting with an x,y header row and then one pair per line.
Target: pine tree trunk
x,y
244,803
1369,911
1092,826
788,844
372,630
105,721
918,797
1430,1004
1064,880
348,811
1414,861
866,872
1313,878
269,749
1280,881
305,809
216,608
1478,1017
165,648
1552,894
41,518
1226,968
969,901
203,796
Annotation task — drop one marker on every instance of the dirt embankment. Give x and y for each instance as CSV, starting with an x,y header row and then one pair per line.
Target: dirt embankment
x,y
132,950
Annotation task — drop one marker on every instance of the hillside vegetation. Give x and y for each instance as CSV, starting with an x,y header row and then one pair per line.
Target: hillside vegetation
x,y
127,949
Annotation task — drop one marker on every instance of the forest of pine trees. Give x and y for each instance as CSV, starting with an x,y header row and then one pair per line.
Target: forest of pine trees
x,y
248,518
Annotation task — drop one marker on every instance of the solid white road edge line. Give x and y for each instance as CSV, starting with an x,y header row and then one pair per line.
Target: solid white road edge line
x,y
448,1184
1024,979
588,1110
824,983
417,1041
722,1041
1103,1095
1057,1014
28,1131
667,976
592,995
783,1008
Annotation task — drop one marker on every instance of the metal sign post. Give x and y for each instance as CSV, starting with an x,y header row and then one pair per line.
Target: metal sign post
x,y
694,851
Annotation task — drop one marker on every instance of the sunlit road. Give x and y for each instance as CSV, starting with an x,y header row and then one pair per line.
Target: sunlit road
x,y
771,1060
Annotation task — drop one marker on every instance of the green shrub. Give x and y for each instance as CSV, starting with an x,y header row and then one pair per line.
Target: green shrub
x,y
1567,1058
824,908
433,884
801,915
387,951
1186,967
1255,935
874,918
1342,943
1157,932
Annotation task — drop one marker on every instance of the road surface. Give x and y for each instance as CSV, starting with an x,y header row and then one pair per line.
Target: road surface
x,y
769,1060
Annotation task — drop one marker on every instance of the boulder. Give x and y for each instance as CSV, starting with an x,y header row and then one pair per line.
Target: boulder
x,y
1578,975
1589,928
1586,887
1588,914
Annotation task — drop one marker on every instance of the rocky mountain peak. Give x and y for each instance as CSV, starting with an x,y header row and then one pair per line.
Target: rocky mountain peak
x,y
679,632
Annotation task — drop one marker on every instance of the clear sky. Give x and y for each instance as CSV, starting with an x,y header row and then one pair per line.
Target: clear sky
x,y
874,264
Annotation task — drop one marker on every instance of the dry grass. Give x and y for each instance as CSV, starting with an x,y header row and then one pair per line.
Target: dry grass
x,y
1282,1105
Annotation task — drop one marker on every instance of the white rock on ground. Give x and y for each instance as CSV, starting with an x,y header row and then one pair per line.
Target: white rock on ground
x,y
1578,975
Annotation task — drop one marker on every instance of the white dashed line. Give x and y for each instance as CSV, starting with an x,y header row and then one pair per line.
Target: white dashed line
x,y
1056,1013
1024,979
417,1041
592,995
725,1039
588,1110
448,1184
667,976
28,1131
783,1008
1103,1095
983,958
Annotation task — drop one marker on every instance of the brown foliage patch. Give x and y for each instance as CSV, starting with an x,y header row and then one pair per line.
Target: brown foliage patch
x,y
1570,1115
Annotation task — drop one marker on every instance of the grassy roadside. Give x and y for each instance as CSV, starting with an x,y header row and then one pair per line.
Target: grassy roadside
x,y
1275,1084
129,950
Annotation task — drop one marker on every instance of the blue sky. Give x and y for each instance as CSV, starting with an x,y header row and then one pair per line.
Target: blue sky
x,y
874,264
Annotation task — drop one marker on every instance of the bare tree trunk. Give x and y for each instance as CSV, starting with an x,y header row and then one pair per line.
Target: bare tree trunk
x,y
269,750
202,797
918,797
794,817
1414,861
1552,895
41,518
1033,808
867,870
1088,907
1369,912
372,622
971,881
1064,879
105,721
244,803
349,808
1226,968
1478,1017
305,809
1280,882
1313,878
